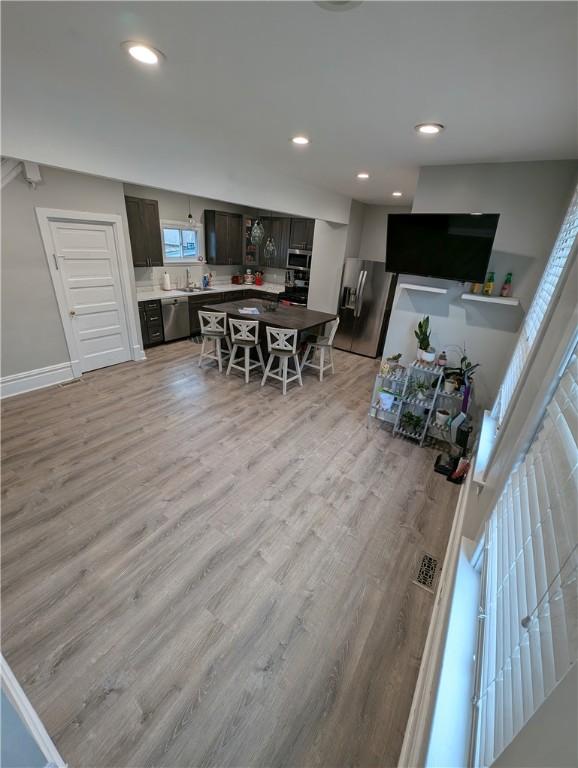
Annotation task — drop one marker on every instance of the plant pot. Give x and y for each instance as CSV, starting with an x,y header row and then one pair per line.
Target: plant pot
x,y
449,386
420,395
442,417
428,357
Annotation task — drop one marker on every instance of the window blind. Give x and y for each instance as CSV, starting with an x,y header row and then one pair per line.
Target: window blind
x,y
530,602
538,309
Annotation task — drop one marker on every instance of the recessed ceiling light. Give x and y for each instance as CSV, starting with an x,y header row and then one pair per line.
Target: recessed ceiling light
x,y
397,194
301,140
363,175
338,5
143,53
430,129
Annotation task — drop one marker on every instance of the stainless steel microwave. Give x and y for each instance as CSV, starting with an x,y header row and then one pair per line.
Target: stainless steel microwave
x,y
298,259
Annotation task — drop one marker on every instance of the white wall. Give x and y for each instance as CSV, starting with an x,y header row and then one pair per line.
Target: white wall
x,y
532,199
32,333
329,244
354,229
549,737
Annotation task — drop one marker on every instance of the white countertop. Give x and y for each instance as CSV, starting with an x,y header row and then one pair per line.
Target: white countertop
x,y
152,294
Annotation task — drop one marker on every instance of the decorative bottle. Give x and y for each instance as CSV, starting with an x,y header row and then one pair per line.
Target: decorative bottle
x,y
489,284
507,286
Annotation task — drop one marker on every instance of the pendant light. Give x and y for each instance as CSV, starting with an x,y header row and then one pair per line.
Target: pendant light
x,y
257,232
190,216
270,249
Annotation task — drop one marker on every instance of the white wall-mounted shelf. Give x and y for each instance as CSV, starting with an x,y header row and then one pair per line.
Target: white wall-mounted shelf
x,y
425,288
509,301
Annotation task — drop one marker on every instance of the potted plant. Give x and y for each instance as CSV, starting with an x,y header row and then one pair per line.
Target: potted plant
x,y
461,374
391,365
411,422
442,417
425,351
421,389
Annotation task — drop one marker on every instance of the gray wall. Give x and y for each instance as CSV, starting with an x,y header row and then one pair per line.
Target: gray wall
x,y
374,231
32,333
532,199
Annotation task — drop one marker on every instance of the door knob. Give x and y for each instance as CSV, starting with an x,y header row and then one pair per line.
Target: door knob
x,y
72,313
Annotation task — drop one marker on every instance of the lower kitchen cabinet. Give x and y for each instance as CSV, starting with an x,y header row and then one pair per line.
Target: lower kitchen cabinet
x,y
196,303
151,322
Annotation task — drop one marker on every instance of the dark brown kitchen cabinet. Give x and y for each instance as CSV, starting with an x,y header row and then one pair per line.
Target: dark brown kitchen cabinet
x,y
279,229
144,228
143,326
223,237
151,322
198,302
301,235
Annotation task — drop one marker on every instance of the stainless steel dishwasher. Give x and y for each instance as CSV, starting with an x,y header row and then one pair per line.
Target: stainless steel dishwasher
x,y
176,321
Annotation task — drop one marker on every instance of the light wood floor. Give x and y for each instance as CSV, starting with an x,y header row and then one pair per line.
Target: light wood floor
x,y
201,573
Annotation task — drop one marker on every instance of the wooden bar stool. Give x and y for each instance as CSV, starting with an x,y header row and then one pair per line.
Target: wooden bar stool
x,y
245,335
214,329
282,343
320,344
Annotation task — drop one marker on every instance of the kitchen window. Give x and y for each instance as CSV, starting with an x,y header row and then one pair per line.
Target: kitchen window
x,y
181,242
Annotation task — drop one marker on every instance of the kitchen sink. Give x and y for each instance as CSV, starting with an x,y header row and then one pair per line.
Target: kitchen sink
x,y
196,290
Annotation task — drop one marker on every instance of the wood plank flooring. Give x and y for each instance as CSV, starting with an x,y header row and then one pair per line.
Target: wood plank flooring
x,y
196,572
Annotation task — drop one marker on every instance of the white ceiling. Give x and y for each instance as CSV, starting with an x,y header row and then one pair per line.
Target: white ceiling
x,y
241,78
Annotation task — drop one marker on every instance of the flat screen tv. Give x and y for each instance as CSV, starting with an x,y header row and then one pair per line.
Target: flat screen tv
x,y
454,246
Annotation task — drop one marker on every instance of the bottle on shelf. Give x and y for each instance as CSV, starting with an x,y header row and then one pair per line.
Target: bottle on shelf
x,y
507,286
489,284
476,288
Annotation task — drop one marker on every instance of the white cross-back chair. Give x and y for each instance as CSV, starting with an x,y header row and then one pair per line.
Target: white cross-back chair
x,y
245,335
214,330
321,344
282,344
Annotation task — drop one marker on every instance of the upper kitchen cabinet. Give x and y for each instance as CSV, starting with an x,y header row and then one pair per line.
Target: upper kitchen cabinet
x,y
144,228
301,236
223,237
279,229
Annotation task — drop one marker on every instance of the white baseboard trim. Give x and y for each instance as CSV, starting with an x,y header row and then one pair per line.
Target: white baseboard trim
x,y
138,352
18,383
417,731
27,714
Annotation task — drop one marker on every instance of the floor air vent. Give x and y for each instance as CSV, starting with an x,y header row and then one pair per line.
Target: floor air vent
x,y
427,571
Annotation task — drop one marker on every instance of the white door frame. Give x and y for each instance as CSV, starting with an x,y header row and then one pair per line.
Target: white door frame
x,y
47,215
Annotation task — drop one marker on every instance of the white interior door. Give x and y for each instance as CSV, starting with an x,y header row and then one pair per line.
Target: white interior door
x,y
87,261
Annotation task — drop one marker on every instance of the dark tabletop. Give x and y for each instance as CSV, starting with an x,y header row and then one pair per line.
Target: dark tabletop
x,y
300,318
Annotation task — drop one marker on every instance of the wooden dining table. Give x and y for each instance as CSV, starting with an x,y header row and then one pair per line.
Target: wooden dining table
x,y
298,318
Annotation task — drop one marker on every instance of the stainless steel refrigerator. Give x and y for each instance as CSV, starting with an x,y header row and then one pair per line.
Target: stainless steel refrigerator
x,y
367,292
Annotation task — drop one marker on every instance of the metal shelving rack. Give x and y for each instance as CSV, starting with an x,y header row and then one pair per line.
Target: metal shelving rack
x,y
399,384
395,385
418,370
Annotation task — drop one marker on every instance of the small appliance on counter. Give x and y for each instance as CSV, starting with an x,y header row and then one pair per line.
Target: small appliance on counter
x,y
249,278
237,279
